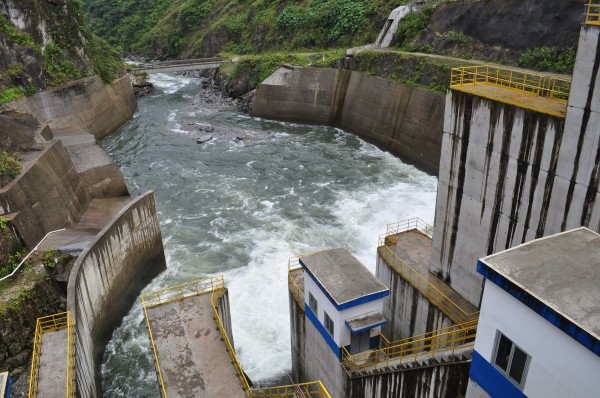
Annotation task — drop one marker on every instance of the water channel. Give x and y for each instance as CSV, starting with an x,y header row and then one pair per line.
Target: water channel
x,y
242,208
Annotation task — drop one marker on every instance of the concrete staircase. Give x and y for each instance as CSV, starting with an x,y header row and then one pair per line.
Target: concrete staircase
x,y
386,35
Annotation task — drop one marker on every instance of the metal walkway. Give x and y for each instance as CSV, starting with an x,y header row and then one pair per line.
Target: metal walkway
x,y
180,65
52,366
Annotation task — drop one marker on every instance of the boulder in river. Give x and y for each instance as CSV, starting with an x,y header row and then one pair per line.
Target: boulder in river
x,y
204,138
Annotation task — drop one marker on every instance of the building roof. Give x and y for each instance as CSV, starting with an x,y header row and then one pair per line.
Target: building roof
x,y
365,322
345,280
562,271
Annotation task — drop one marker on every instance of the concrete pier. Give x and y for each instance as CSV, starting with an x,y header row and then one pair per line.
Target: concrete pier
x,y
192,355
52,382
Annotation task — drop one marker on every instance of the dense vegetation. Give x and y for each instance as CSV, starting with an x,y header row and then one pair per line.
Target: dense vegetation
x,y
186,28
54,47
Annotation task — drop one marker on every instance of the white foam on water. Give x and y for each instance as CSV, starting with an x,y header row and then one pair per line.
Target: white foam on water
x,y
169,83
259,292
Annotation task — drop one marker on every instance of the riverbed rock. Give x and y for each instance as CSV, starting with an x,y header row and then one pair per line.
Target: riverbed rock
x,y
204,138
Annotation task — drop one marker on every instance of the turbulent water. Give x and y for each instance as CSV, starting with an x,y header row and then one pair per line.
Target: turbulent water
x,y
241,208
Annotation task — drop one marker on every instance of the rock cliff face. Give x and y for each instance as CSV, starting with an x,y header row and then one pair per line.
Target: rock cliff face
x,y
45,43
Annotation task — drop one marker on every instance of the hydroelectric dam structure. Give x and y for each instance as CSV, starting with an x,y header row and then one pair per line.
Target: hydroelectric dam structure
x,y
520,160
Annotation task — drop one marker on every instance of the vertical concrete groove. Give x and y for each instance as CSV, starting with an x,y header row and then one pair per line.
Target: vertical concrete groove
x,y
464,148
584,125
509,119
489,149
550,180
530,123
535,173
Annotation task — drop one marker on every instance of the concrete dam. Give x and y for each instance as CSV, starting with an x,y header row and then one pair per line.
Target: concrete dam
x,y
518,160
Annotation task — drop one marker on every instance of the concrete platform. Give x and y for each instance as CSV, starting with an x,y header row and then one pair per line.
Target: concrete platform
x,y
96,216
193,358
52,380
521,99
414,247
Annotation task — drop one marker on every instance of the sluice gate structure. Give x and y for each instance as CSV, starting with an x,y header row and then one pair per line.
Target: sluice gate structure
x,y
189,326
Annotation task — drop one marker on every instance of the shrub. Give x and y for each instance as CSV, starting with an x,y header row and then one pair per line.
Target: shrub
x,y
10,94
10,165
548,59
410,28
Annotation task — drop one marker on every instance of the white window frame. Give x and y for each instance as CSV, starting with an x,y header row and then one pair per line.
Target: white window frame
x,y
328,321
313,304
506,372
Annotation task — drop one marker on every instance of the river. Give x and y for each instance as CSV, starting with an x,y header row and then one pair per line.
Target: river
x,y
242,208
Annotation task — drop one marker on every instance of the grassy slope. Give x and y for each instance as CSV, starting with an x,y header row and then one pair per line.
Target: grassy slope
x,y
186,28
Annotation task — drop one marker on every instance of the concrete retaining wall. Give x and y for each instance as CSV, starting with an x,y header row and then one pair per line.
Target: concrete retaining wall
x,y
49,194
408,312
403,120
107,277
87,103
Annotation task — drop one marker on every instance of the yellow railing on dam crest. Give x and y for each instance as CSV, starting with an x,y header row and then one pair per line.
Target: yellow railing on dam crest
x,y
529,90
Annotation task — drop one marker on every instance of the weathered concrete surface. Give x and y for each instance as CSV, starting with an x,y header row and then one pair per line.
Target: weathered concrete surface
x,y
509,175
87,103
561,271
49,194
408,311
440,381
98,213
52,382
193,358
107,277
403,120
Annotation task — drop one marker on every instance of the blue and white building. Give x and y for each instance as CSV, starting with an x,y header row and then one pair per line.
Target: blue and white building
x,y
343,300
539,327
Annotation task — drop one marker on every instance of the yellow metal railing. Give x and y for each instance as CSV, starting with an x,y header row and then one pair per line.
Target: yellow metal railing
x,y
216,296
444,341
425,287
403,226
418,281
182,291
314,389
297,293
592,13
169,295
216,286
52,323
519,88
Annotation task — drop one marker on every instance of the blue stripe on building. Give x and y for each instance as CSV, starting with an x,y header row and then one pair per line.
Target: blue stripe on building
x,y
315,321
491,379
348,304
564,324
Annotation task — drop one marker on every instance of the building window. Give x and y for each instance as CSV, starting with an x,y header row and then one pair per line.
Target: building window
x,y
328,324
312,303
511,360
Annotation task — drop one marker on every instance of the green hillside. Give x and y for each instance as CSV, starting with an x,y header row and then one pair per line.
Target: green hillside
x,y
188,28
